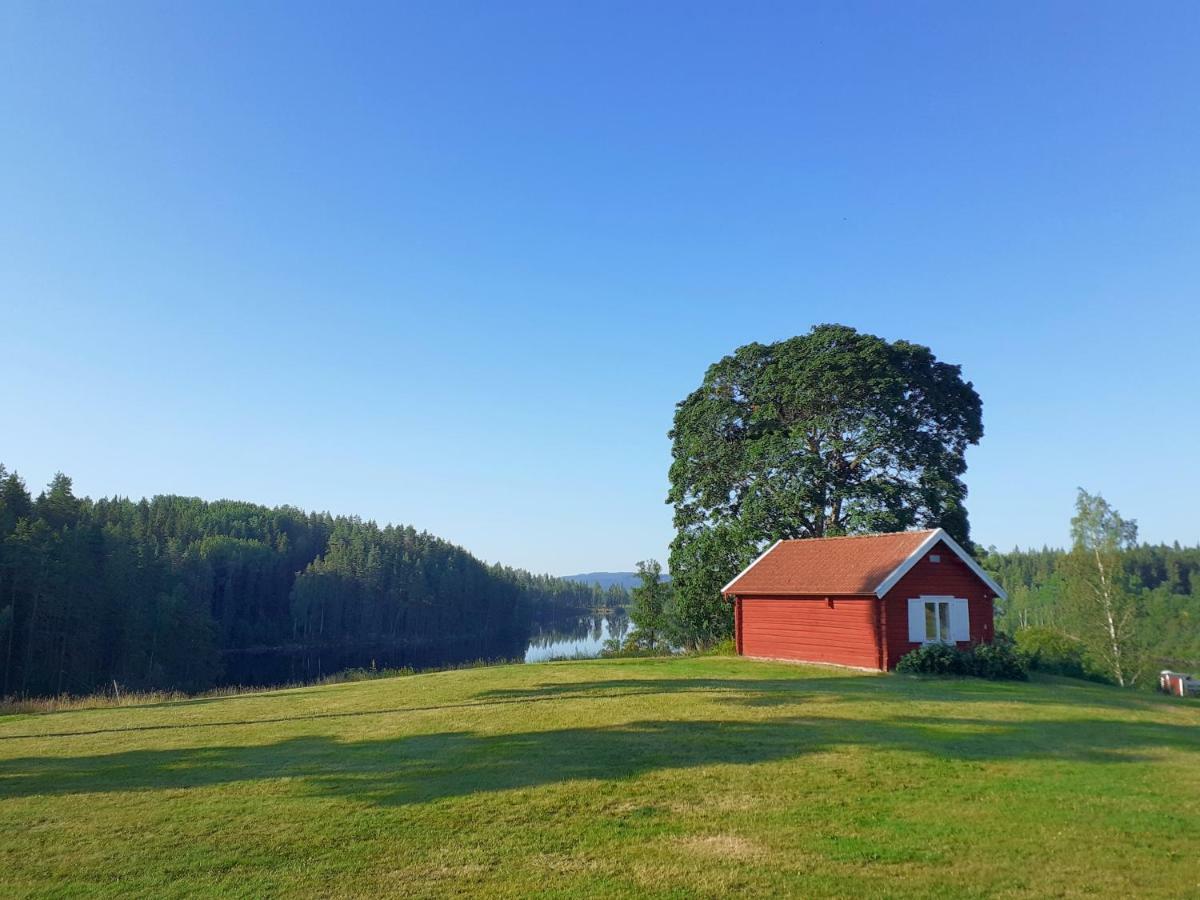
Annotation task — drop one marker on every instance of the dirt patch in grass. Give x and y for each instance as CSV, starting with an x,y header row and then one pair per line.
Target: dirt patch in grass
x,y
722,846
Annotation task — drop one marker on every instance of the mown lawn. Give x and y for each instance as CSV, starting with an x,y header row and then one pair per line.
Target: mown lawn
x,y
676,777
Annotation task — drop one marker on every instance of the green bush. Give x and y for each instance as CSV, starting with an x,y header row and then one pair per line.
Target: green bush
x,y
1000,661
1049,650
725,647
633,652
933,659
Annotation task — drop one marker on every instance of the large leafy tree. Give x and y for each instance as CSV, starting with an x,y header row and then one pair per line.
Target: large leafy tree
x,y
832,432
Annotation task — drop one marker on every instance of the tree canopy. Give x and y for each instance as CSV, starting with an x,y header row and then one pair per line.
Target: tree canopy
x,y
180,593
650,608
1106,605
1125,608
829,433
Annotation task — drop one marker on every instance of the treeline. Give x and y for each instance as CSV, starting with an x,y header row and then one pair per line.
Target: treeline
x,y
168,592
1159,587
552,598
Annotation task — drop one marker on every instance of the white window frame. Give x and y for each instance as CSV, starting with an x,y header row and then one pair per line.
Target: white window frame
x,y
957,619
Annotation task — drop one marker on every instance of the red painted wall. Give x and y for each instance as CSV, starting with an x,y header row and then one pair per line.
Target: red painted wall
x,y
950,577
810,629
847,632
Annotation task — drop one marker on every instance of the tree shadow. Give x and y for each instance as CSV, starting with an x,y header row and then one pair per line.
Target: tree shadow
x,y
421,768
776,692
853,688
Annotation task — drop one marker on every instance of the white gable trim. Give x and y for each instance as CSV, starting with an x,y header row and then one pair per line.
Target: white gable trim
x,y
757,560
917,555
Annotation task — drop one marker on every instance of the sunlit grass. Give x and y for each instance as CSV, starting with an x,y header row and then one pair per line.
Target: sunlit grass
x,y
650,777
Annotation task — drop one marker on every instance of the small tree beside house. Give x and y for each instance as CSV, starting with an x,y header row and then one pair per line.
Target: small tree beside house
x,y
650,608
1106,608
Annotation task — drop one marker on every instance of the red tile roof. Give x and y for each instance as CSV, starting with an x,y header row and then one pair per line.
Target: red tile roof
x,y
820,566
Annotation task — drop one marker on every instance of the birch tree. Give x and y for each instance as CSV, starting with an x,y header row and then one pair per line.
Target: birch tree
x,y
1104,605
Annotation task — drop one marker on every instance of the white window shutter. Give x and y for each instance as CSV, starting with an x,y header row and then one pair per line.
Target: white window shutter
x,y
916,621
960,621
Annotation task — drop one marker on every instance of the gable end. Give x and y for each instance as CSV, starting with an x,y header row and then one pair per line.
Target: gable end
x,y
928,544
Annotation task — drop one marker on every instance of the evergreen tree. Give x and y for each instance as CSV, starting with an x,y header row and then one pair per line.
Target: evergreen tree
x,y
167,592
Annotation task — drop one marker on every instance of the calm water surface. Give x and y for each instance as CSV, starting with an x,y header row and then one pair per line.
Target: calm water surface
x,y
570,637
581,637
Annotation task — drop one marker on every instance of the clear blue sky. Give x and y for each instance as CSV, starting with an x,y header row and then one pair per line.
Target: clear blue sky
x,y
453,264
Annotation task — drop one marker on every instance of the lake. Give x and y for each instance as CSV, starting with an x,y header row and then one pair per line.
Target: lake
x,y
580,637
572,636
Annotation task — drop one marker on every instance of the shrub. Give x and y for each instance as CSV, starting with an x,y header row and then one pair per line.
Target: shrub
x,y
998,661
632,651
1049,650
934,659
361,674
724,647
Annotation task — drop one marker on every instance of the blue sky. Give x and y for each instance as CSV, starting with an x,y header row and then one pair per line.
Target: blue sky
x,y
453,264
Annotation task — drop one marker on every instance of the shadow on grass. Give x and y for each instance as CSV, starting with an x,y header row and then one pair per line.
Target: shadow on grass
x,y
745,691
783,691
421,768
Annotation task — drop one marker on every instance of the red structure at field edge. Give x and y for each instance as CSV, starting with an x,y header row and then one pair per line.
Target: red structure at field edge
x,y
861,601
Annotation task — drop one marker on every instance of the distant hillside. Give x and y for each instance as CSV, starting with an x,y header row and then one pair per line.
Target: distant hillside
x,y
626,580
178,593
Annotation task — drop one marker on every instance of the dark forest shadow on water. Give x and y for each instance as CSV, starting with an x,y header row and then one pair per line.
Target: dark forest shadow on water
x,y
571,636
426,767
274,666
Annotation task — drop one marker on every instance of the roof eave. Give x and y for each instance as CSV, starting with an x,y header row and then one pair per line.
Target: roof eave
x,y
725,591
802,594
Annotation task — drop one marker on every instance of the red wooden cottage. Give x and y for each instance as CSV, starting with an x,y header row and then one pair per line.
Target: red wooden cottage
x,y
861,601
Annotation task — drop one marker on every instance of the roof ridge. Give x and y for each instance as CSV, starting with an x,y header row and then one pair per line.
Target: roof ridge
x,y
785,569
873,534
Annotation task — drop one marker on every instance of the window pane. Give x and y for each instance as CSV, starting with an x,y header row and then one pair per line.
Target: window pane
x,y
931,621
944,621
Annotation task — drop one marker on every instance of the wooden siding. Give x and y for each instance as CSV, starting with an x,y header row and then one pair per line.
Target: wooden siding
x,y
841,630
950,578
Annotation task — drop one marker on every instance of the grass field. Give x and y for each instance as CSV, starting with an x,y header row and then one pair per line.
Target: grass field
x,y
676,777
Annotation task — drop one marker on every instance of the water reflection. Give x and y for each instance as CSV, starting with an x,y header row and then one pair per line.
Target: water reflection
x,y
576,637
573,636
298,664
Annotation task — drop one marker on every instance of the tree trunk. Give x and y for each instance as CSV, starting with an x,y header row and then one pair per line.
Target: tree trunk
x,y
29,643
1106,602
12,628
62,660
